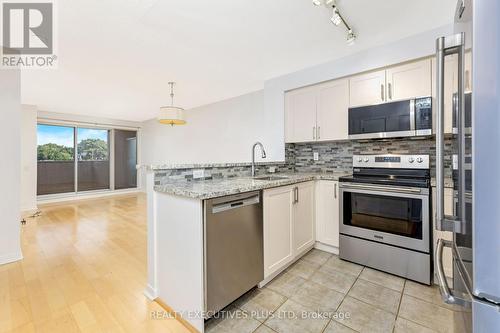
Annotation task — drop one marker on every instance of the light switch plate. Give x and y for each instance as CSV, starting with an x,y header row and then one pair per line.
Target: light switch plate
x,y
198,174
316,156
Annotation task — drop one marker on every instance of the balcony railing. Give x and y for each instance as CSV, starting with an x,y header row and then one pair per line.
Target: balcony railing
x,y
59,176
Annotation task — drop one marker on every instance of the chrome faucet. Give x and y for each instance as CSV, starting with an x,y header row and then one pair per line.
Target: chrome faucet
x,y
253,155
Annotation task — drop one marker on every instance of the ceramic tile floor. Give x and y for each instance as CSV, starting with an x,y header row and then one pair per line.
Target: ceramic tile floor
x,y
319,291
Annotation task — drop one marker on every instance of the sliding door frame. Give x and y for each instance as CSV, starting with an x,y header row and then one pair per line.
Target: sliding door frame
x,y
111,152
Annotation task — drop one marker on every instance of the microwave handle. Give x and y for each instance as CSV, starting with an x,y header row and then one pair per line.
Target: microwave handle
x,y
446,46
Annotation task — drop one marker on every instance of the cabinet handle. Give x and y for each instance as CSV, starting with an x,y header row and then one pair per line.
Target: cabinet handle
x,y
319,132
382,95
389,90
335,190
296,194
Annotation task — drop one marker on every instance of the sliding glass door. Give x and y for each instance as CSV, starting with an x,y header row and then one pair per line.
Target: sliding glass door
x,y
56,159
125,159
80,159
93,159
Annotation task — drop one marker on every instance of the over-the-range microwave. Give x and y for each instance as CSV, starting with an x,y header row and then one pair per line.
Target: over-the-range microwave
x,y
411,117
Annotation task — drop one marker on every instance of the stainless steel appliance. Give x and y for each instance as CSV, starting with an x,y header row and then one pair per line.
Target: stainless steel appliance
x,y
475,223
234,256
411,117
385,215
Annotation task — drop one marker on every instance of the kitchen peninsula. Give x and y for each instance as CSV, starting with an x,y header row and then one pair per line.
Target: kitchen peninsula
x,y
176,231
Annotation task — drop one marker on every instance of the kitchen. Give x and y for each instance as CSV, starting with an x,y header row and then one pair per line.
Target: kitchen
x,y
342,180
373,175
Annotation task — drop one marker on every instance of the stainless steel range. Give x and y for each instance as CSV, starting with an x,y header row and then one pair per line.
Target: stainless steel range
x,y
385,211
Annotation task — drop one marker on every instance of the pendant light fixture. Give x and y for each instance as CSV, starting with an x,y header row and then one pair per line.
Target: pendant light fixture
x,y
171,115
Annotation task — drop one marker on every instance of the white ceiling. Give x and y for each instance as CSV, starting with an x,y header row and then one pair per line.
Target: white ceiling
x,y
116,56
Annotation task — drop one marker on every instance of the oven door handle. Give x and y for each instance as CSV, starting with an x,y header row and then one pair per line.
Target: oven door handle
x,y
381,188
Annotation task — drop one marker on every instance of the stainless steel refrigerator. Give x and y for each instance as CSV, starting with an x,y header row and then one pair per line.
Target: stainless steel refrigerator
x,y
475,222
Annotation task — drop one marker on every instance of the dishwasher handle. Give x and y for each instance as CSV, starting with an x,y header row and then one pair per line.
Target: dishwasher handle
x,y
233,203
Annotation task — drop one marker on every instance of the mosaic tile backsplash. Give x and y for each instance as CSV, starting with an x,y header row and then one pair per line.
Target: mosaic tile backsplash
x,y
337,156
333,156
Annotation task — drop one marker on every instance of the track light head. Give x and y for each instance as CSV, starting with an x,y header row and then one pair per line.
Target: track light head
x,y
336,18
351,37
316,2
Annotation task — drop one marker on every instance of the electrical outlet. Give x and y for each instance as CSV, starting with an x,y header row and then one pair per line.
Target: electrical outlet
x,y
272,169
316,156
198,174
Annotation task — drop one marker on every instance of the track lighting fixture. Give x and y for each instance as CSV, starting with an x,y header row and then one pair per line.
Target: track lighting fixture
x,y
337,18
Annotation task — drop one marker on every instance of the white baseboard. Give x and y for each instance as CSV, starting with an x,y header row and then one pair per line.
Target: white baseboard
x,y
84,196
10,257
326,248
25,212
150,293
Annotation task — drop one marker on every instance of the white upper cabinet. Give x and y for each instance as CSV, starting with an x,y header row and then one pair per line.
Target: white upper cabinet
x,y
317,113
409,81
300,115
367,89
327,212
320,112
332,107
303,218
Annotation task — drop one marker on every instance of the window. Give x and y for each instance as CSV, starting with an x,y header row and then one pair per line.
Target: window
x,y
93,159
79,159
56,159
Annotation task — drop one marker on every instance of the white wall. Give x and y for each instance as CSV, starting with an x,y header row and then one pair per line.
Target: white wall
x,y
215,133
10,135
225,131
28,158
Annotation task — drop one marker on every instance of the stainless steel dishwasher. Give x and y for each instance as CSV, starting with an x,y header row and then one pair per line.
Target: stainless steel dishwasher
x,y
234,256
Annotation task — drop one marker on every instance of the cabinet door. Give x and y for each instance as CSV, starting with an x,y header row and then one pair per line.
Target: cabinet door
x,y
367,89
327,212
333,104
300,115
450,87
409,80
303,218
278,247
448,210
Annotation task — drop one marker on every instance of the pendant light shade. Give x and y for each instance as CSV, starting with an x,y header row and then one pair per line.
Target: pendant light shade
x,y
171,115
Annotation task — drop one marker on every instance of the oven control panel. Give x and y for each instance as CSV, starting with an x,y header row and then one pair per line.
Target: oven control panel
x,y
392,161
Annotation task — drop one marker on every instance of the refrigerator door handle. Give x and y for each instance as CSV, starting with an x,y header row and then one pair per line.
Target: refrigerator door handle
x,y
446,46
446,294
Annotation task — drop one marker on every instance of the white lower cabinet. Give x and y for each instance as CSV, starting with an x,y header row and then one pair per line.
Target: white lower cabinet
x,y
327,213
303,218
288,224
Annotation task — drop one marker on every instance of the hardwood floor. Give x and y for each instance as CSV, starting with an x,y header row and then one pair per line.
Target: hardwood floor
x,y
84,270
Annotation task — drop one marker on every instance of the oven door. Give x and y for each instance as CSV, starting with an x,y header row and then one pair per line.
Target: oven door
x,y
392,215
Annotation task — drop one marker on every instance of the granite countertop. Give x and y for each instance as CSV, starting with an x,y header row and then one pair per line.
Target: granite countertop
x,y
160,167
207,189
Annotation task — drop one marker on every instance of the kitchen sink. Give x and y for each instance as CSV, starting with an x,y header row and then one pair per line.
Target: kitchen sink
x,y
270,178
